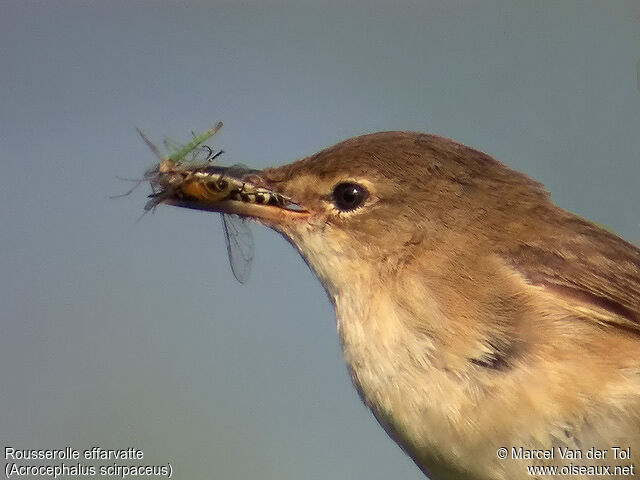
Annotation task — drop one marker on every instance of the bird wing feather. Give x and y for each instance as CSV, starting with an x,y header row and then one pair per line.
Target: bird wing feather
x,y
591,267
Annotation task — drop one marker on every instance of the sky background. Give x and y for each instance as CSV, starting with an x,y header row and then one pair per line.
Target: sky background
x,y
124,334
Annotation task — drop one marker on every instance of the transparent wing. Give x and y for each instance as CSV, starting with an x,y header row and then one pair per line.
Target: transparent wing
x,y
239,241
237,170
171,145
200,155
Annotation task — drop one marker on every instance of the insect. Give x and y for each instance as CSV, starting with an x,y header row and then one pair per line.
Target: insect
x,y
188,173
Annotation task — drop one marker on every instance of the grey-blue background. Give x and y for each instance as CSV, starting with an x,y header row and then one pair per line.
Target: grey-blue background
x,y
118,333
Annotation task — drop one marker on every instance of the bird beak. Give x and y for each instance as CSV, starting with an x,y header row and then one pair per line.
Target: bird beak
x,y
229,190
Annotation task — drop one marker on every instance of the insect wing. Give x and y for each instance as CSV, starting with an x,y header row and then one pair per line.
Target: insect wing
x,y
179,155
240,247
237,170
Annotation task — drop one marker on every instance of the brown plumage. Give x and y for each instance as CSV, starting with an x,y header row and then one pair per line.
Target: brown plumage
x,y
474,314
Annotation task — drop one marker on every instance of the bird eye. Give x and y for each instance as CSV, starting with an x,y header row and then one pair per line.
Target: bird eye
x,y
348,196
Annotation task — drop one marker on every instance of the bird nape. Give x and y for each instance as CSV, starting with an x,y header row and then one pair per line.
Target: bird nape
x,y
493,334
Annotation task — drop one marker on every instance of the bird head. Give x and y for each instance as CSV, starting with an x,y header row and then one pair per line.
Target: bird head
x,y
360,211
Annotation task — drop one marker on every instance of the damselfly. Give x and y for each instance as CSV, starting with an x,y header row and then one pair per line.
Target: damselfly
x,y
187,172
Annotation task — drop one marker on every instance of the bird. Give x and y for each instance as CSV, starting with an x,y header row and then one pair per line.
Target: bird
x,y
489,331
